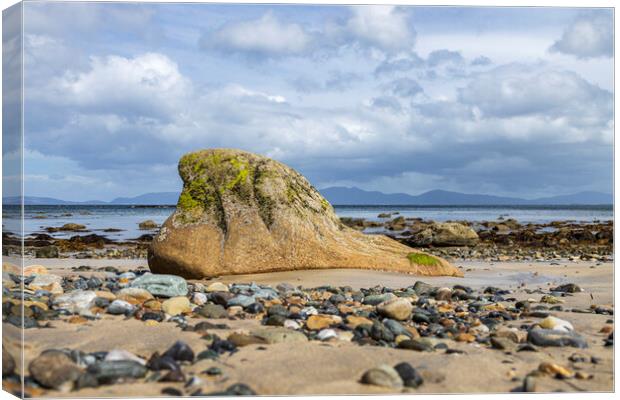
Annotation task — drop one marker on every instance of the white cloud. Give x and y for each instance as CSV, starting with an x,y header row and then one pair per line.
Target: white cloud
x,y
385,27
590,35
264,36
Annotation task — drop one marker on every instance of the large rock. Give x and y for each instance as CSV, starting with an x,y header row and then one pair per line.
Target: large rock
x,y
445,234
243,213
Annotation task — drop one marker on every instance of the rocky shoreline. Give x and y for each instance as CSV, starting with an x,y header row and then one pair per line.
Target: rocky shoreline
x,y
502,240
222,324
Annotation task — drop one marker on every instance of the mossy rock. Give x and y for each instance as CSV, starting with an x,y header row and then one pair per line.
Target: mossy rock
x,y
240,212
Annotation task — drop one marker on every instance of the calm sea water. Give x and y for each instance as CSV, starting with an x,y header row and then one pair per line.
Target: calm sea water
x,y
98,218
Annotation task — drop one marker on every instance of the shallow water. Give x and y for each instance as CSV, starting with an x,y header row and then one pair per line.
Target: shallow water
x,y
100,217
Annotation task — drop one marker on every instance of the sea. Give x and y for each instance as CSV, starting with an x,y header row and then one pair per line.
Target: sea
x,y
96,218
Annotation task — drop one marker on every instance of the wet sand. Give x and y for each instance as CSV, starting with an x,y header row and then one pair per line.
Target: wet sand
x,y
336,367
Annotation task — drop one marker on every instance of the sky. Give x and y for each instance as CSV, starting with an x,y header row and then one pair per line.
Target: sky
x,y
503,101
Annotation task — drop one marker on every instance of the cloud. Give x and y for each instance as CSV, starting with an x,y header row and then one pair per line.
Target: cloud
x,y
404,87
444,56
589,35
149,86
385,27
522,90
266,36
481,61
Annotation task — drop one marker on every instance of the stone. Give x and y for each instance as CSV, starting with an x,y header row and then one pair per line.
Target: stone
x,y
212,311
180,351
398,308
241,300
327,334
76,302
549,337
555,370
384,376
353,321
240,339
418,344
148,225
54,369
443,294
556,324
375,299
529,384
445,234
176,305
134,295
279,335
242,213
396,328
45,281
161,285
118,355
238,389
110,371
120,307
567,288
321,321
513,334
34,270
199,299
216,287
409,375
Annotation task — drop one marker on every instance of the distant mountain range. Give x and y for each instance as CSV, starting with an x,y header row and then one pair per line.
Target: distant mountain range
x,y
355,196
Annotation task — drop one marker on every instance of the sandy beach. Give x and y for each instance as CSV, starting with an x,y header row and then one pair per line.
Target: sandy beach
x,y
335,366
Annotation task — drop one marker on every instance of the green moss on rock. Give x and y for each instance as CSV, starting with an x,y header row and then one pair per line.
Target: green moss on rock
x,y
422,259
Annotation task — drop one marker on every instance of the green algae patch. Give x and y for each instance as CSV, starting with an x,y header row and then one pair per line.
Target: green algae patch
x,y
422,259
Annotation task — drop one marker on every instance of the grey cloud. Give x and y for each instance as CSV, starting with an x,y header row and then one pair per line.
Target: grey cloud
x,y
439,57
481,61
404,87
589,35
387,102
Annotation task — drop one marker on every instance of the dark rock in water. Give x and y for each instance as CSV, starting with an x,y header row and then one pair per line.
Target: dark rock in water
x,y
409,375
238,389
180,351
212,311
549,337
8,362
54,369
567,288
111,371
419,344
161,285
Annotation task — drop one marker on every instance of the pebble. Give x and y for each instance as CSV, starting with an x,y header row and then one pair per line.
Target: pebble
x,y
212,311
567,288
54,369
529,384
556,324
107,372
176,306
409,375
134,295
77,302
549,337
120,307
555,370
373,300
327,334
180,351
384,376
199,298
419,344
318,322
34,270
396,308
161,285
216,287
241,300
119,354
